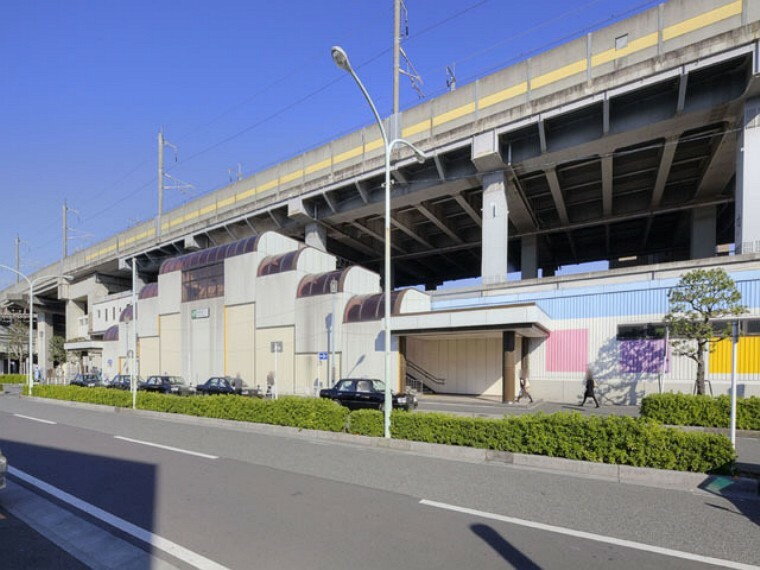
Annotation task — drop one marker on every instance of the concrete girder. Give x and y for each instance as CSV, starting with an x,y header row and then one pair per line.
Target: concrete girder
x,y
405,227
330,202
666,161
399,177
408,197
606,145
559,200
720,169
519,212
607,185
362,190
352,241
439,167
469,210
380,238
434,214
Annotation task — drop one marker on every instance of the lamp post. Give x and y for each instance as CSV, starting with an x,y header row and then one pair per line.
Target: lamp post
x,y
341,60
30,282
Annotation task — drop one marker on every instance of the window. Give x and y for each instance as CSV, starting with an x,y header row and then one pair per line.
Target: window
x,y
113,313
203,282
647,331
752,328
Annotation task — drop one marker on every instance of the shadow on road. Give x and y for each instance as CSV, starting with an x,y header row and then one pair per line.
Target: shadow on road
x,y
120,487
508,552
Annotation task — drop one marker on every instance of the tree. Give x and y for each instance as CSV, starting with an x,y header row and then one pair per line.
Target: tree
x,y
18,341
700,297
57,352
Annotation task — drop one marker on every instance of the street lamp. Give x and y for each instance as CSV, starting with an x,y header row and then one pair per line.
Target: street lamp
x,y
31,283
341,60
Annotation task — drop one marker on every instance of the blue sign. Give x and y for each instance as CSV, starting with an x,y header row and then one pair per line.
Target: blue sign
x,y
322,356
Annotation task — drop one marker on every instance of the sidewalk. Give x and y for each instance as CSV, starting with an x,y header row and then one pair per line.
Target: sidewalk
x,y
22,547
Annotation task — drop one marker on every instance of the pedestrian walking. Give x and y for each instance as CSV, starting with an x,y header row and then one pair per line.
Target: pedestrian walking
x,y
590,385
524,385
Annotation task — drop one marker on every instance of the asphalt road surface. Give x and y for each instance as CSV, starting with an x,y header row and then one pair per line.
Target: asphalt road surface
x,y
239,497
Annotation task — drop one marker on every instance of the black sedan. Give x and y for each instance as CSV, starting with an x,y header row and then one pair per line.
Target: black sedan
x,y
86,380
357,393
226,385
167,385
123,382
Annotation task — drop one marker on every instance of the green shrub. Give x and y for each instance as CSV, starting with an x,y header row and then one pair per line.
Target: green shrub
x,y
612,439
13,379
293,411
706,411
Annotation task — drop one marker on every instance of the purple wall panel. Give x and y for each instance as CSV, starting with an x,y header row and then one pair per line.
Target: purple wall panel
x,y
645,356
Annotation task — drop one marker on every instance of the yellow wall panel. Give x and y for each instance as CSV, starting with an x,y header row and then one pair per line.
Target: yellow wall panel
x,y
747,357
149,356
239,354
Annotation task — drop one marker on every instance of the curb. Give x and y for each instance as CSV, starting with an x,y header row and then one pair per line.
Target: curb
x,y
739,487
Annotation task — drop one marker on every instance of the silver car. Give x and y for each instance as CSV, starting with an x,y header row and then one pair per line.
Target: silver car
x,y
3,469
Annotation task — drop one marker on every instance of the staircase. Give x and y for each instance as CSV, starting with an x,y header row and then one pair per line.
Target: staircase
x,y
419,379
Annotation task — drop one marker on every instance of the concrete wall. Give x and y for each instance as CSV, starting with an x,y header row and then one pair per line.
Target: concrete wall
x,y
150,356
240,342
106,312
202,325
280,366
170,347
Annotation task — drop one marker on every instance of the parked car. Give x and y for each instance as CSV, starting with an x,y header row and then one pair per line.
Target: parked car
x,y
3,469
226,385
123,382
167,385
86,380
356,393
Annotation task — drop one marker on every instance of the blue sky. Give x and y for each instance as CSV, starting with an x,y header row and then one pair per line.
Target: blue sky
x,y
86,86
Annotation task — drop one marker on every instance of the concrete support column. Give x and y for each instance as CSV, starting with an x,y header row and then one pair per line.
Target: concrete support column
x,y
529,256
747,230
316,236
508,366
703,241
74,311
44,334
495,229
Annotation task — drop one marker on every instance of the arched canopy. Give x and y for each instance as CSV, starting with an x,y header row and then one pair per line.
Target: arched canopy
x,y
209,256
371,307
112,333
149,291
274,264
126,314
319,283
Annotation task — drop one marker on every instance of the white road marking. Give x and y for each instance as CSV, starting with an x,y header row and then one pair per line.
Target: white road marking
x,y
167,447
36,419
592,536
180,552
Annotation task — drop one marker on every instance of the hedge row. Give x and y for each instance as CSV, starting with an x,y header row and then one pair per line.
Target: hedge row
x,y
688,410
304,413
13,378
612,439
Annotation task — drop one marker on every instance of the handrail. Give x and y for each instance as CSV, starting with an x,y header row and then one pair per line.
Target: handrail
x,y
427,375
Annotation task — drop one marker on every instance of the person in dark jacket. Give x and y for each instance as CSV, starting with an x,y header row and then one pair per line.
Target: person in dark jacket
x,y
590,385
524,385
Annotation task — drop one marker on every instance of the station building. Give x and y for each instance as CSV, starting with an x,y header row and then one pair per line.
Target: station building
x,y
276,312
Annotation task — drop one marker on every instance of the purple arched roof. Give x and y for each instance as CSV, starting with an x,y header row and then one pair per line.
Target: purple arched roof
x,y
319,283
149,291
279,263
209,256
112,333
371,307
126,314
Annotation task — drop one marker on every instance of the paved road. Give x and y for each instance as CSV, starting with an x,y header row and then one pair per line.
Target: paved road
x,y
251,499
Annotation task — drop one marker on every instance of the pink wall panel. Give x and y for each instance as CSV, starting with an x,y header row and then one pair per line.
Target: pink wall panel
x,y
567,351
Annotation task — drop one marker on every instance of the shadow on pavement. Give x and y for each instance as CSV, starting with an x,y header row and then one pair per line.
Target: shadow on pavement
x,y
508,552
122,488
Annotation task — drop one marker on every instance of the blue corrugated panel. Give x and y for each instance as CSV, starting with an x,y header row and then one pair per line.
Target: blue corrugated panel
x,y
620,299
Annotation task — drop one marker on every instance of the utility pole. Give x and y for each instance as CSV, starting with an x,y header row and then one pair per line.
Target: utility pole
x,y
160,180
396,58
65,233
18,242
